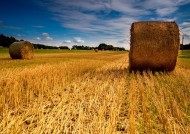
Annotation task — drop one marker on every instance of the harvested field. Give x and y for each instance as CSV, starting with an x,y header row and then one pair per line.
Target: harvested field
x,y
88,92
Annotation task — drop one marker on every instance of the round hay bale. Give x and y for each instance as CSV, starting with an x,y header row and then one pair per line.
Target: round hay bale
x,y
154,46
96,50
21,50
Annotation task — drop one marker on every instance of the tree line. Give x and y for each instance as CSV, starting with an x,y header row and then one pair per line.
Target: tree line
x,y
6,41
102,46
185,47
41,46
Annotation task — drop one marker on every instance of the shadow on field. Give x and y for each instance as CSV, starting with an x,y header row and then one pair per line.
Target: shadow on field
x,y
120,71
5,59
9,59
115,72
126,71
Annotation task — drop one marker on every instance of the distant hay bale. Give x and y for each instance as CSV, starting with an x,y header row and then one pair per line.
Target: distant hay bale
x,y
21,50
96,50
154,46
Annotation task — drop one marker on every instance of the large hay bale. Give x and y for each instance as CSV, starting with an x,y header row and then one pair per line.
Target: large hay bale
x,y
21,50
154,46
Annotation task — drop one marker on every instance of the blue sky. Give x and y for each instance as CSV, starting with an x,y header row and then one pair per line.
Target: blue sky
x,y
87,22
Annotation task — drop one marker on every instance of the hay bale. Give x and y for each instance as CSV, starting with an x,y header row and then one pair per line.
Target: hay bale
x,y
21,50
154,46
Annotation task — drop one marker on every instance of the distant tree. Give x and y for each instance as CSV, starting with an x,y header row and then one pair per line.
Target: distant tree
x,y
64,47
102,46
109,47
41,46
6,41
185,47
82,47
119,49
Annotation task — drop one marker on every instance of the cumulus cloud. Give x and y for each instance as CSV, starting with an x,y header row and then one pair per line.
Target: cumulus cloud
x,y
49,38
38,38
67,41
78,40
46,36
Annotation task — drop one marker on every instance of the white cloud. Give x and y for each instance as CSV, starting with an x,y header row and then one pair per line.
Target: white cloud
x,y
49,38
67,41
185,31
184,25
163,7
166,11
164,19
38,38
128,7
46,36
78,40
19,36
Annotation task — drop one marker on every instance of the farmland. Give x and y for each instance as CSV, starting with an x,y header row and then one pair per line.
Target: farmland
x,y
62,91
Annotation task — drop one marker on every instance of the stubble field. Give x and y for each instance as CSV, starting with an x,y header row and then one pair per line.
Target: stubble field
x,y
84,92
